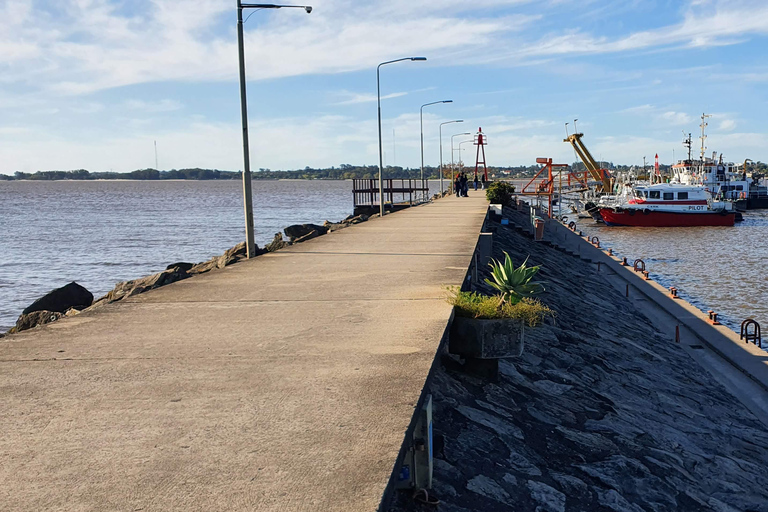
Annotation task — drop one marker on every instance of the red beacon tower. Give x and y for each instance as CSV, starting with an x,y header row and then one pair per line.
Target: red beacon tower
x,y
481,141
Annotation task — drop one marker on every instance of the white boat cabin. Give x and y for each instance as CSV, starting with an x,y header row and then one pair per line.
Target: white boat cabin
x,y
724,180
673,197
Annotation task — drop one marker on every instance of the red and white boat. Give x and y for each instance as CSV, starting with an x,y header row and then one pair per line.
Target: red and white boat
x,y
668,205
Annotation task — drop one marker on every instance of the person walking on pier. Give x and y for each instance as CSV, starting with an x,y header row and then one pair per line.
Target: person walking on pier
x,y
464,187
457,185
476,181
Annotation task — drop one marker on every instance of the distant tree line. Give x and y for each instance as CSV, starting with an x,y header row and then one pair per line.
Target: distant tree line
x,y
343,172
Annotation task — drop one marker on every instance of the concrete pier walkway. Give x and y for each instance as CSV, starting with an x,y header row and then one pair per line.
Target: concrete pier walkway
x,y
281,383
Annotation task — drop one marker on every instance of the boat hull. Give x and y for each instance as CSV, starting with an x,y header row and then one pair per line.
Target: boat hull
x,y
665,219
757,203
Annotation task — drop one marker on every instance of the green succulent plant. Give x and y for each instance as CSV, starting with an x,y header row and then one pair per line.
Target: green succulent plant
x,y
514,284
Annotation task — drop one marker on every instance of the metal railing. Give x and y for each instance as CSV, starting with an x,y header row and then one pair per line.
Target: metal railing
x,y
396,191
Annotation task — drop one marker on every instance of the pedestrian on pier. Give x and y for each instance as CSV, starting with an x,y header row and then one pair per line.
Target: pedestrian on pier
x,y
476,181
457,185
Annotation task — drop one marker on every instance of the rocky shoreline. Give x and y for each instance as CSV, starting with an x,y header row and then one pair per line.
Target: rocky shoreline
x,y
601,413
72,299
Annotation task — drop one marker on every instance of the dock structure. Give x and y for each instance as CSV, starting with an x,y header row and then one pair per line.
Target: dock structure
x,y
283,383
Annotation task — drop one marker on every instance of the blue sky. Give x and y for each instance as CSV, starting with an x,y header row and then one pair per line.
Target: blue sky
x,y
92,83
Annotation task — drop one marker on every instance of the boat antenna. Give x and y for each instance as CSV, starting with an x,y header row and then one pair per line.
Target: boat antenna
x,y
687,143
703,137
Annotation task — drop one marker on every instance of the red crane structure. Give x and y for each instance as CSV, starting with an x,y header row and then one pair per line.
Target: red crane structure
x,y
481,141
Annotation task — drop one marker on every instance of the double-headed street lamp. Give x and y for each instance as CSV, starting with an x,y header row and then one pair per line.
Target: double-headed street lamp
x,y
453,169
247,194
381,157
421,124
441,150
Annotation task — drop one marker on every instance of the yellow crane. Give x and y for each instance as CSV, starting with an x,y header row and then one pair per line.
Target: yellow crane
x,y
598,174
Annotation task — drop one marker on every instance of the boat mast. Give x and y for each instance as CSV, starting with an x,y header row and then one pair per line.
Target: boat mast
x,y
688,143
703,125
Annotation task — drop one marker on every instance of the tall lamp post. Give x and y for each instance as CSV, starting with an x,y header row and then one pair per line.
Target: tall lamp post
x,y
460,148
247,193
378,101
453,169
421,125
441,150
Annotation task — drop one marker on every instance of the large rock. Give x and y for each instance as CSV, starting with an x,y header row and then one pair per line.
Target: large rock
x,y
61,299
33,319
309,236
229,257
136,286
181,265
302,230
277,243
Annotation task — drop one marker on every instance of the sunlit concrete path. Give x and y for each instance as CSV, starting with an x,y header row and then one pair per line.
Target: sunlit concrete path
x,y
281,383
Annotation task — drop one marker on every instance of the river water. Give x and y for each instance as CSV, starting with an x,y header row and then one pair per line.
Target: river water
x,y
99,233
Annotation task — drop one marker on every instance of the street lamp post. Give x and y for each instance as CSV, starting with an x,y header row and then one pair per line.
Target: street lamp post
x,y
247,193
421,125
463,142
441,150
453,169
378,101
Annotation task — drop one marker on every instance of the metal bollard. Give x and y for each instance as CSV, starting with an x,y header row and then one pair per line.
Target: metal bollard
x,y
624,262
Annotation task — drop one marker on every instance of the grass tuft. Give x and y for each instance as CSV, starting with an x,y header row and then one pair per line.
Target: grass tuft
x,y
476,305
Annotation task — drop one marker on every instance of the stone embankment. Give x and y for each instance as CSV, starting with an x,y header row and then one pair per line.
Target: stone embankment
x,y
603,412
72,299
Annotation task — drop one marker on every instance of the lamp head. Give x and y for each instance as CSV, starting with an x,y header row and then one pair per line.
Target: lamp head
x,y
447,101
418,58
308,8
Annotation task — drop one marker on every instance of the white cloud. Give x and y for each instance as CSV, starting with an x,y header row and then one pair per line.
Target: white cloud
x,y
725,23
727,125
676,118
165,105
354,98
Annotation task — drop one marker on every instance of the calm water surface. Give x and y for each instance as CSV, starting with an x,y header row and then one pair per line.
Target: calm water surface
x,y
101,232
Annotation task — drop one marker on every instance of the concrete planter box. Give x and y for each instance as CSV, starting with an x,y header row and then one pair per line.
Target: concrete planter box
x,y
486,339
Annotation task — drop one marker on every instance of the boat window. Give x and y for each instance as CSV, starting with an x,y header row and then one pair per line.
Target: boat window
x,y
668,196
655,194
739,187
681,195
645,193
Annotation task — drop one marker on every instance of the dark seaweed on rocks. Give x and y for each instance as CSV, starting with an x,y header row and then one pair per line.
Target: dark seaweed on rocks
x,y
601,413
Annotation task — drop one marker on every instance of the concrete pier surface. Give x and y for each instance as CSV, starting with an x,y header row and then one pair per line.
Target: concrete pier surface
x,y
282,383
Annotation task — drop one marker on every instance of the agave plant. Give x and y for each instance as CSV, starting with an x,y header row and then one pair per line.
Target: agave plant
x,y
514,283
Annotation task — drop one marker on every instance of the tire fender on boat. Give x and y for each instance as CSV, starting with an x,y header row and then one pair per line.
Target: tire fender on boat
x,y
631,211
647,211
